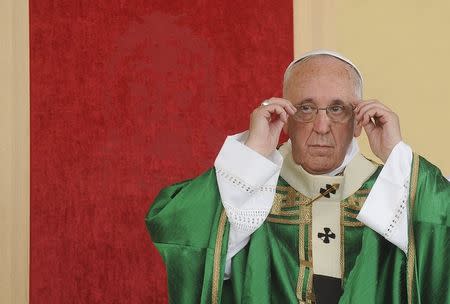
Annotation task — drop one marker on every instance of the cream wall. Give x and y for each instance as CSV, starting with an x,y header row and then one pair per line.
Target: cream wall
x,y
14,151
403,52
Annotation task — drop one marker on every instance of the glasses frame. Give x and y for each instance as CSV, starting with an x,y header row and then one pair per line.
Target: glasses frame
x,y
327,111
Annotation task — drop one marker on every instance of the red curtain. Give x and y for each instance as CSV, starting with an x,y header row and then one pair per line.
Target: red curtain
x,y
126,98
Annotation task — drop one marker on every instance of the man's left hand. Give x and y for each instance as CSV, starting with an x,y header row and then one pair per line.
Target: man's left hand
x,y
381,125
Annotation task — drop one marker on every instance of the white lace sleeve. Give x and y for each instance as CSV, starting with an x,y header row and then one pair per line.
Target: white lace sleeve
x,y
385,209
247,183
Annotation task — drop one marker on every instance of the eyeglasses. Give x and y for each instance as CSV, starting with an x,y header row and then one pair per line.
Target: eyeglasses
x,y
307,112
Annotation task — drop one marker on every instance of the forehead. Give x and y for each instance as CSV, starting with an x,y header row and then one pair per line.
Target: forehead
x,y
321,77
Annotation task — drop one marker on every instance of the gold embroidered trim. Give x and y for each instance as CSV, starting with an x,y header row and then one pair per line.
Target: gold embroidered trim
x,y
411,245
305,201
309,294
306,215
354,202
287,212
277,202
287,197
282,221
301,257
363,192
293,198
217,254
349,214
353,224
305,263
309,284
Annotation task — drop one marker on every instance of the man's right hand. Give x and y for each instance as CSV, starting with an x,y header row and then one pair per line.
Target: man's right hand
x,y
266,123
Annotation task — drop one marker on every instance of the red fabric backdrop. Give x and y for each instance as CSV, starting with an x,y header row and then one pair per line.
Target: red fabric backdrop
x,y
127,97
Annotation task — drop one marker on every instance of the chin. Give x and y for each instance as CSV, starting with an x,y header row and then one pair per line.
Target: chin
x,y
318,170
317,161
319,165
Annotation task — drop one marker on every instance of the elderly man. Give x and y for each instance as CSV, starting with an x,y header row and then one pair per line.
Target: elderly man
x,y
313,221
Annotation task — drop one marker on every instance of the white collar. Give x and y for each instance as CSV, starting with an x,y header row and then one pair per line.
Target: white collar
x,y
357,170
352,150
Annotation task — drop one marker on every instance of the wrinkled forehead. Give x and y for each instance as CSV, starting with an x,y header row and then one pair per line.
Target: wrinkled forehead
x,y
324,63
325,53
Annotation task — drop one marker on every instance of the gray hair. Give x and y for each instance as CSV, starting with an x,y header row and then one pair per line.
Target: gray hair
x,y
354,72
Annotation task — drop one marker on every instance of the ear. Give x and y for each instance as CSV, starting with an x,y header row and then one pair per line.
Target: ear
x,y
357,129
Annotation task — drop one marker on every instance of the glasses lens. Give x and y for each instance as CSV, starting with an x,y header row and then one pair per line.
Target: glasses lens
x,y
336,113
305,112
339,113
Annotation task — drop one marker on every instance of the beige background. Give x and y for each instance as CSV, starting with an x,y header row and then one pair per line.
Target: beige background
x,y
14,151
403,51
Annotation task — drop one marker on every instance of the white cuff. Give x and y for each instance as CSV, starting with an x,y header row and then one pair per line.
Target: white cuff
x,y
385,209
250,166
246,179
247,183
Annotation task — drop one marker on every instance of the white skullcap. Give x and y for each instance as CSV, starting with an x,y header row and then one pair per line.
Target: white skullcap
x,y
324,52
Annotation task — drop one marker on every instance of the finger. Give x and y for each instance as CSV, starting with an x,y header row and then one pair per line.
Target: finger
x,y
380,116
369,127
274,109
363,105
371,108
286,104
362,102
282,117
369,103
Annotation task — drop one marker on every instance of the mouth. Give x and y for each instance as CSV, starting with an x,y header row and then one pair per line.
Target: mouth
x,y
321,146
321,150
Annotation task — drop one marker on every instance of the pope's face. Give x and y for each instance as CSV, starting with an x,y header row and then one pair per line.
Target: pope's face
x,y
320,146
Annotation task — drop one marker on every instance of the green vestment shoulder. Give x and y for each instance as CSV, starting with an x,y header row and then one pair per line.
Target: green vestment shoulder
x,y
384,274
188,226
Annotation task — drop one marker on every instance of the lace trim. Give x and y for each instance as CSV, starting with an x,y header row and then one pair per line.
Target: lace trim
x,y
239,183
399,212
247,220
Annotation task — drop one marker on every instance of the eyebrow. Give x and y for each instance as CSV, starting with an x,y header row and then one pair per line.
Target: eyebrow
x,y
306,100
334,101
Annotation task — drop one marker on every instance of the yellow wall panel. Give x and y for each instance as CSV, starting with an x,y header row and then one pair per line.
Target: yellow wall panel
x,y
403,52
14,152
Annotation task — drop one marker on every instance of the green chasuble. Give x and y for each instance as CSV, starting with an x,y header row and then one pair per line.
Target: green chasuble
x,y
189,227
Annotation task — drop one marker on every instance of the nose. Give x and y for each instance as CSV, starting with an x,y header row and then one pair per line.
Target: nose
x,y
322,123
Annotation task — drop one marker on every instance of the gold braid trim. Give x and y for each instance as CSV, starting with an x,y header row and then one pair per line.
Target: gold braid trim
x,y
309,287
282,221
411,243
301,257
353,224
363,192
349,214
217,254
